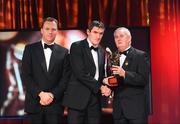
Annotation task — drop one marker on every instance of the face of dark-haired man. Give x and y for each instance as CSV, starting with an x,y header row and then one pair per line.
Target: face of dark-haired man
x,y
95,35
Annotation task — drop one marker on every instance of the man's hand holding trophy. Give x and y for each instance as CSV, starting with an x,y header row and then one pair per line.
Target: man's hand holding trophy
x,y
111,65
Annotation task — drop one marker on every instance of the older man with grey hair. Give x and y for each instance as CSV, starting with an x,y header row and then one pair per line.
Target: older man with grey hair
x,y
129,106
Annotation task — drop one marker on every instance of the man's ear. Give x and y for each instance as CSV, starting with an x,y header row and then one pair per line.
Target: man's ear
x,y
88,31
41,31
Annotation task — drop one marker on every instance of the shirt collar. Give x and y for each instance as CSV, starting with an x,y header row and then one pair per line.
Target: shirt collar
x,y
127,48
89,43
43,42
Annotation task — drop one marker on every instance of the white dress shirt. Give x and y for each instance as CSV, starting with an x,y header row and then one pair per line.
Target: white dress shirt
x,y
47,53
95,58
123,57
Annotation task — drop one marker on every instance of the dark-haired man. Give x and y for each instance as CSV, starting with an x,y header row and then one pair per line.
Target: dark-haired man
x,y
85,88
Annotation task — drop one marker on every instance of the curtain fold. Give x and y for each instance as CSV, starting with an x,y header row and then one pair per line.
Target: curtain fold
x,y
165,64
20,14
28,14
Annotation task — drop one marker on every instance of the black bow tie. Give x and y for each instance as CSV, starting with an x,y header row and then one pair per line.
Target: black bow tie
x,y
124,52
48,46
94,48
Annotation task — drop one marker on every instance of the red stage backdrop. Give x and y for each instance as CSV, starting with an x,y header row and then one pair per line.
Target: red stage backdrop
x,y
165,60
164,17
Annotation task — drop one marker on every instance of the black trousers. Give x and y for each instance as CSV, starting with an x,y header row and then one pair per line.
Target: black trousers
x,y
124,120
90,115
44,118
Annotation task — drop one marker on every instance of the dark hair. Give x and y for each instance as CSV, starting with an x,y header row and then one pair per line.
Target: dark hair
x,y
96,23
50,19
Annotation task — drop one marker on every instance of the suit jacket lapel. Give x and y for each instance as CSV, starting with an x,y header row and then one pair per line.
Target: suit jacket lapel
x,y
89,54
128,59
53,58
41,57
100,57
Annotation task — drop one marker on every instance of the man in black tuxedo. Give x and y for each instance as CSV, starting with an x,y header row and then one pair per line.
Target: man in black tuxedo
x,y
85,87
129,104
45,70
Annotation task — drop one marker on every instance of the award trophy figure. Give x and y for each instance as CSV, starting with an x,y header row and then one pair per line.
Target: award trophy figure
x,y
111,59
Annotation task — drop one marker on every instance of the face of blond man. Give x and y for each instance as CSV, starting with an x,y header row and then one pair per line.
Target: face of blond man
x,y
122,39
49,31
95,35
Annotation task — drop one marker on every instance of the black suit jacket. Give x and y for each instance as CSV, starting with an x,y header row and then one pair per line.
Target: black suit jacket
x,y
36,77
130,95
82,83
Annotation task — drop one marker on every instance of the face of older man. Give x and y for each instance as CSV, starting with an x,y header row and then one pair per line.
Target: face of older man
x,y
122,39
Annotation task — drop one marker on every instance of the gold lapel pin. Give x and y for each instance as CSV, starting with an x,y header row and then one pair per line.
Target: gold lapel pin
x,y
126,63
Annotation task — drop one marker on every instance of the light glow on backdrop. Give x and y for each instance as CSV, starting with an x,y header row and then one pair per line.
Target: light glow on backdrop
x,y
12,89
12,100
165,61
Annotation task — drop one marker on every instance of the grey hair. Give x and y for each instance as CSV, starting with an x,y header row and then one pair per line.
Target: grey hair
x,y
125,30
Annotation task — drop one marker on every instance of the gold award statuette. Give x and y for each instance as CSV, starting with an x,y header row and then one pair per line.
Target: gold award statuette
x,y
112,60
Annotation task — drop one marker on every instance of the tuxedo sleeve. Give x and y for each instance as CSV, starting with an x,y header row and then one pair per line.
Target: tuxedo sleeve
x,y
58,91
79,69
140,75
27,73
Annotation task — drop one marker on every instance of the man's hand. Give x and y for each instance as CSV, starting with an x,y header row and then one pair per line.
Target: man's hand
x,y
118,70
105,80
46,98
105,91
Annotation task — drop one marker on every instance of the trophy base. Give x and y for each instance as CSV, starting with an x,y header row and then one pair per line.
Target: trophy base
x,y
112,81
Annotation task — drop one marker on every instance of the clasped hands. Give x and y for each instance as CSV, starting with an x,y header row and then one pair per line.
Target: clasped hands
x,y
46,98
105,91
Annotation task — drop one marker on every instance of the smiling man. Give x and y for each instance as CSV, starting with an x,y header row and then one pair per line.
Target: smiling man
x,y
45,72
